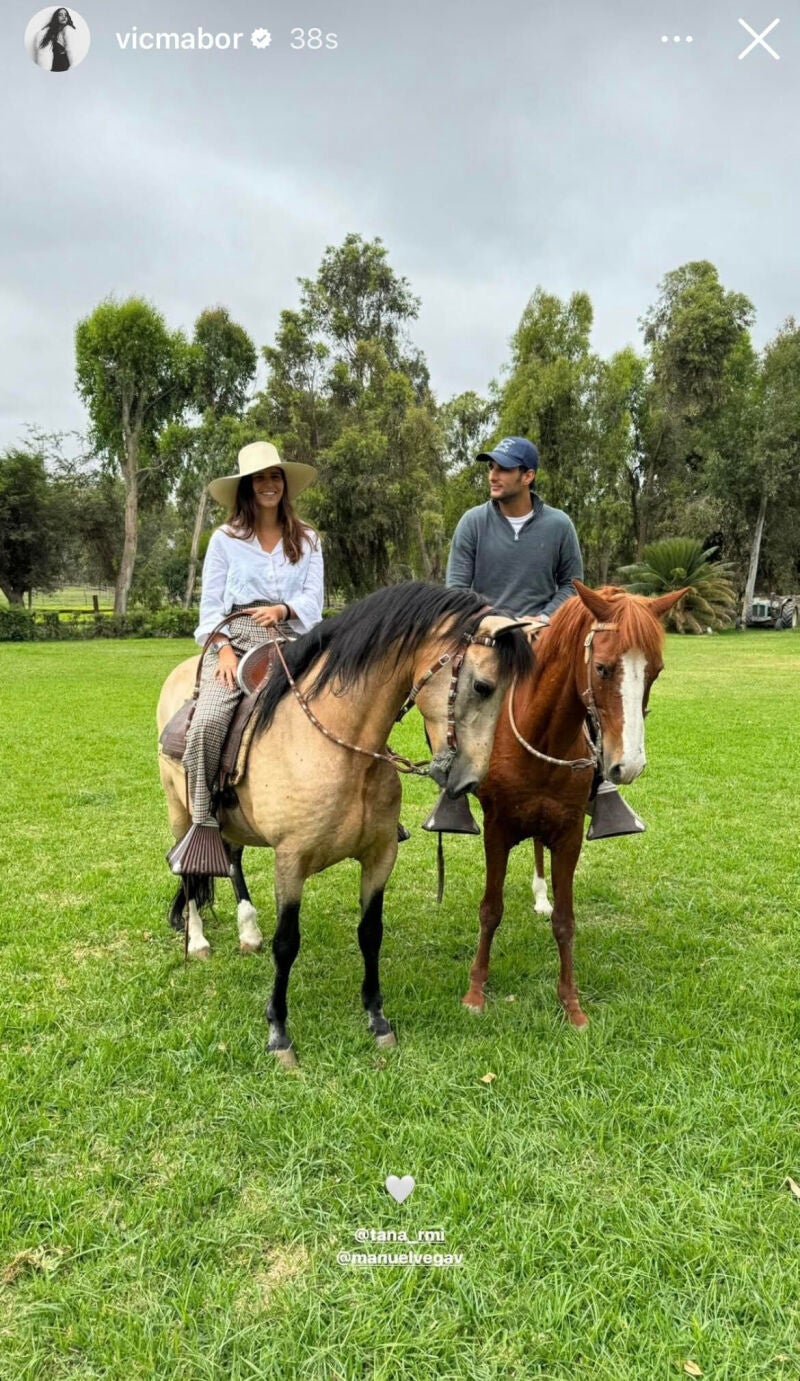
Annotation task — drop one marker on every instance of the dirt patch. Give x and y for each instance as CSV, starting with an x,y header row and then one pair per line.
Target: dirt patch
x,y
36,1260
282,1265
83,952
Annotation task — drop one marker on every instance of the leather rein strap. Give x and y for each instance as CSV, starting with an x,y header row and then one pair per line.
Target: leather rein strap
x,y
396,760
592,714
457,660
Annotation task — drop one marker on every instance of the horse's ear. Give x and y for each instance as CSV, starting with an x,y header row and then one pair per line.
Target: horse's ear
x,y
664,603
510,626
602,609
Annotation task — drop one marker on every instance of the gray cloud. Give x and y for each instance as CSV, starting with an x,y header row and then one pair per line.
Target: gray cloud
x,y
490,152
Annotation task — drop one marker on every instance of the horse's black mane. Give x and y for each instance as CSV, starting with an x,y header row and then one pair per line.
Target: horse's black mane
x,y
395,621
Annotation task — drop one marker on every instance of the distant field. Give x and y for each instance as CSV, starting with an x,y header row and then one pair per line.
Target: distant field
x,y
71,597
173,1206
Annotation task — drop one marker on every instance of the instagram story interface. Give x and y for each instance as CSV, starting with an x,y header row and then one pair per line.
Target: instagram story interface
x,y
399,651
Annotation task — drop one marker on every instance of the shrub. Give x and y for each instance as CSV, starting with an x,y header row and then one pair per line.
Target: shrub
x,y
16,625
679,561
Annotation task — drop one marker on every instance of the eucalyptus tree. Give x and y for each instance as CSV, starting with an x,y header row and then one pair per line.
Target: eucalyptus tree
x,y
135,376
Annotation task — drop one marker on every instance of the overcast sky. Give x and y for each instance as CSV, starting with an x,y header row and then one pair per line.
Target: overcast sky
x,y
493,147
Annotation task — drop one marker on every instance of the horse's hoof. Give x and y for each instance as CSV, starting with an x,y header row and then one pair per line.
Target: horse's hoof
x,y
387,1039
204,952
476,1008
286,1057
250,937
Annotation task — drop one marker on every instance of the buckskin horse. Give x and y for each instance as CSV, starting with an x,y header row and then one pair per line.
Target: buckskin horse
x,y
319,784
595,665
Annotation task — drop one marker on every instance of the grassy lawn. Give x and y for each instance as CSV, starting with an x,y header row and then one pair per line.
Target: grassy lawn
x,y
172,1206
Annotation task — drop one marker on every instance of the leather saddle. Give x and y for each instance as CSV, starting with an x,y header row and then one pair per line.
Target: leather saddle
x,y
252,674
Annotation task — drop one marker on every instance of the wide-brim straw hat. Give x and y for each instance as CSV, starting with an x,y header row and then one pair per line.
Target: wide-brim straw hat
x,y
262,455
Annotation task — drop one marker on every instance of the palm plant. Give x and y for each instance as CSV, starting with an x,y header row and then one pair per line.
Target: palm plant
x,y
678,561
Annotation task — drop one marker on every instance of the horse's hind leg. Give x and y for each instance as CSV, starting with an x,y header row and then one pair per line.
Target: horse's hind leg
x,y
497,847
374,874
564,859
285,946
199,890
541,902
250,937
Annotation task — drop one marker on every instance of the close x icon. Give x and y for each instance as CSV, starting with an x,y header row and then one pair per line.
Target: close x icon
x,y
759,39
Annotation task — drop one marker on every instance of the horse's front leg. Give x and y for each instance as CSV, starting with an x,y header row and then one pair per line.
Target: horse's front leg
x,y
496,847
285,946
564,858
250,937
375,871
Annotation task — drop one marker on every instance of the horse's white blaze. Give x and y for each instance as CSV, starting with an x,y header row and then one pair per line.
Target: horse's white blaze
x,y
250,936
541,903
632,692
198,944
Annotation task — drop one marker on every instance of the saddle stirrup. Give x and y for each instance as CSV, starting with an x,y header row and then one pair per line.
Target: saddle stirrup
x,y
611,815
202,850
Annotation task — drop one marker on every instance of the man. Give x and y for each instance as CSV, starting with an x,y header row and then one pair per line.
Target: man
x,y
524,555
517,550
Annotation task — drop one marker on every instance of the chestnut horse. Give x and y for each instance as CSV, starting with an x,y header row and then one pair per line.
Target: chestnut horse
x,y
318,798
601,653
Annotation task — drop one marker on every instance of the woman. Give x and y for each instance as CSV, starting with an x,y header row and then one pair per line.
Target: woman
x,y
263,556
54,37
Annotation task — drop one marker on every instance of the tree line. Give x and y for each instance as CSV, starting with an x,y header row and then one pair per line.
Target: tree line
x,y
695,434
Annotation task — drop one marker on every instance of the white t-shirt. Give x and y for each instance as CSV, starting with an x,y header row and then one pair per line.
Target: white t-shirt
x,y
239,571
517,523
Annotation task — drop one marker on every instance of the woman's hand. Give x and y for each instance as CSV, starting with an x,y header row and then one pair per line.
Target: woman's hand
x,y
269,615
225,670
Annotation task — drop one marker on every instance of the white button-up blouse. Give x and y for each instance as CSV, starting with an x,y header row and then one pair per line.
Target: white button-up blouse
x,y
239,571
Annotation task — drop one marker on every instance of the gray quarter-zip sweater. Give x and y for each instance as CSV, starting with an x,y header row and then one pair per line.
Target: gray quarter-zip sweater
x,y
525,572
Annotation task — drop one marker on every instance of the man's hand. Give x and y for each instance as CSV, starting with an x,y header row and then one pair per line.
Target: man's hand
x,y
535,624
225,670
268,616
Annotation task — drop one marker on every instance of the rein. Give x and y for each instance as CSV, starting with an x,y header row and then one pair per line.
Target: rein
x,y
396,760
595,761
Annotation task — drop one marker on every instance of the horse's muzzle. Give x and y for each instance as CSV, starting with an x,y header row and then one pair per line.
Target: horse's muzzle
x,y
455,774
625,771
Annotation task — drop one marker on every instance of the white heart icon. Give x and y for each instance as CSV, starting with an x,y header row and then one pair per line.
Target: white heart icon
x,y
400,1188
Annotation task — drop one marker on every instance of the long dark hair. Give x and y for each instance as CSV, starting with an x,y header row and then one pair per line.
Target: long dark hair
x,y
54,29
393,621
242,519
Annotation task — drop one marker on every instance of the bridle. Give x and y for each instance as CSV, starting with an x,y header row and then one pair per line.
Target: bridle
x,y
454,658
592,728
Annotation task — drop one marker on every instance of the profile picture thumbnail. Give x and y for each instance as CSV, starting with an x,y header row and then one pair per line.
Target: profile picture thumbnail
x,y
57,38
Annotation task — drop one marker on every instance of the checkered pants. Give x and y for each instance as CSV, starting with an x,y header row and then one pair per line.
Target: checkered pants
x,y
214,710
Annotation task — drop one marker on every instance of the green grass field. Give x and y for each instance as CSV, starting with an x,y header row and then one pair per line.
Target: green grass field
x,y
172,1205
70,597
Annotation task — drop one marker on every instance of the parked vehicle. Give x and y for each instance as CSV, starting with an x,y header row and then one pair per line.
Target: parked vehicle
x,y
772,611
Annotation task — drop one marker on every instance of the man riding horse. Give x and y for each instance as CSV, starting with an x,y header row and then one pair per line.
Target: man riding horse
x,y
515,549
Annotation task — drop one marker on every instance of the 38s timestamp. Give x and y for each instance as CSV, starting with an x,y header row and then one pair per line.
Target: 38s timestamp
x,y
313,39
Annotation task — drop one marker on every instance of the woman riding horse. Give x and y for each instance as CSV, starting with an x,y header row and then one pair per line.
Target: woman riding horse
x,y
320,784
263,560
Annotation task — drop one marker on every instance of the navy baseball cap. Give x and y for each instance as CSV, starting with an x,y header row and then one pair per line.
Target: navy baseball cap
x,y
513,451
